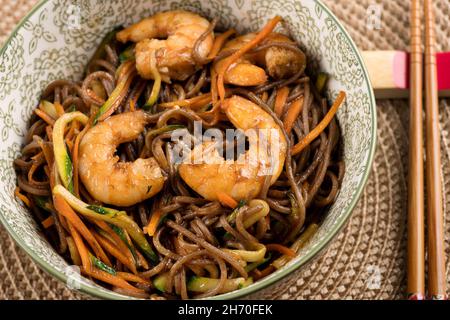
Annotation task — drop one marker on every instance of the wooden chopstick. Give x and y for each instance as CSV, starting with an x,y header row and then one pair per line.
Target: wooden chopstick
x,y
416,237
435,215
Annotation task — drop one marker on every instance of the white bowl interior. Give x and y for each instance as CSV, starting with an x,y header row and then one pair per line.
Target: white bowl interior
x,y
57,39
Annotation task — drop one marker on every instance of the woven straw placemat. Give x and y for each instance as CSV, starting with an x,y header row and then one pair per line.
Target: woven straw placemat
x,y
367,259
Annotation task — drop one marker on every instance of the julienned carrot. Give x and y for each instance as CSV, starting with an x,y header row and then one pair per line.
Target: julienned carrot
x,y
213,85
110,279
265,96
321,126
49,120
219,41
227,200
120,243
82,250
74,254
49,132
114,251
238,54
280,100
281,249
141,260
153,223
47,223
135,98
263,273
132,277
292,114
59,108
65,210
22,197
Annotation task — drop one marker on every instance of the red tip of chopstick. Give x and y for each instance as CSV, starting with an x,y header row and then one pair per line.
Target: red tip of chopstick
x,y
443,63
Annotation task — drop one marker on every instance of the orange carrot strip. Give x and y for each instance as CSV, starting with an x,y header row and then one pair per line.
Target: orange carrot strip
x,y
134,99
110,279
213,85
82,250
265,272
238,54
119,242
265,96
49,120
227,200
59,108
219,42
281,249
280,100
153,223
65,210
47,223
69,144
22,197
292,114
321,126
31,172
49,131
115,252
131,277
141,260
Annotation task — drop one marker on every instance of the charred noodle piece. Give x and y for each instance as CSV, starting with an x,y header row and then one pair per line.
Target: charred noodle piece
x,y
115,217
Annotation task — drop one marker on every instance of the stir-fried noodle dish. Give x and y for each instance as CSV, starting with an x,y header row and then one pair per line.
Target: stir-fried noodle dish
x,y
188,162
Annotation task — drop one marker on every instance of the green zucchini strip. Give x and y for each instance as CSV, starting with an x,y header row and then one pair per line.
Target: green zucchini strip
x,y
297,245
203,284
101,265
62,157
48,108
112,216
250,256
156,85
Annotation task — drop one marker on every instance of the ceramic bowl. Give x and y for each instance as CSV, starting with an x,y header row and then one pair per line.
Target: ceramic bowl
x,y
56,39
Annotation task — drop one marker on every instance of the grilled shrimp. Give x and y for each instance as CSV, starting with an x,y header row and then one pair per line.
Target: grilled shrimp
x,y
107,179
174,55
242,178
280,62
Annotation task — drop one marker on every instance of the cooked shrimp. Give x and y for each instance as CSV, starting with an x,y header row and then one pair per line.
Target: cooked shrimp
x,y
280,62
174,58
242,178
107,179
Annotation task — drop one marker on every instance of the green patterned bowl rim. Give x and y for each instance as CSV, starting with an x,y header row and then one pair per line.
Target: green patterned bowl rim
x,y
257,286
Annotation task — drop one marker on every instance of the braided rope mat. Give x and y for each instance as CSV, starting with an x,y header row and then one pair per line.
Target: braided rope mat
x,y
367,259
